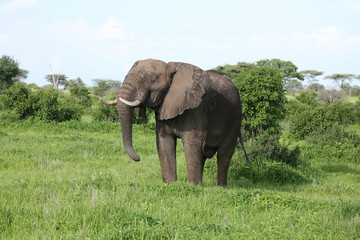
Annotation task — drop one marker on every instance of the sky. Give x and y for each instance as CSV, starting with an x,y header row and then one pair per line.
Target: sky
x,y
101,39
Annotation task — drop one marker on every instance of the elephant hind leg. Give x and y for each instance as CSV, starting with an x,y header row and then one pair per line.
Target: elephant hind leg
x,y
224,156
223,167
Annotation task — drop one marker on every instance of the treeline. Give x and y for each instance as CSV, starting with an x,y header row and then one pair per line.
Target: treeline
x,y
19,101
273,109
276,103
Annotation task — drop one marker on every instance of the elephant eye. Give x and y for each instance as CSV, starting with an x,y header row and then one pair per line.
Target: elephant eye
x,y
152,80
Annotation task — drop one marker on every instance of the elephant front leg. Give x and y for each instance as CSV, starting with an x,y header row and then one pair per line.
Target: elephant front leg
x,y
195,161
166,146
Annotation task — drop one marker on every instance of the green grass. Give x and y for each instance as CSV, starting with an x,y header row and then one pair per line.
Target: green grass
x,y
74,181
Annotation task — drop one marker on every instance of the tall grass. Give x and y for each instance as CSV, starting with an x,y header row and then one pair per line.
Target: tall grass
x,y
73,180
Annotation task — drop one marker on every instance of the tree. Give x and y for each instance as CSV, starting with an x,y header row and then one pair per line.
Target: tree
x,y
311,75
263,97
231,70
287,68
316,87
293,86
104,87
21,102
9,72
83,95
341,79
330,96
262,90
56,79
74,83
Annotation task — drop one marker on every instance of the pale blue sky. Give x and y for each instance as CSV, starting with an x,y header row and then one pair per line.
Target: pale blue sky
x,y
102,39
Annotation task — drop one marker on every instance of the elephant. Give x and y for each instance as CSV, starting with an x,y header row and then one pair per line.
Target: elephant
x,y
202,108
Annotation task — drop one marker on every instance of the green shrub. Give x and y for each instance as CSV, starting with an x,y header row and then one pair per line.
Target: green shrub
x,y
69,109
266,146
314,120
307,97
83,96
268,171
45,104
263,99
19,102
15,102
104,112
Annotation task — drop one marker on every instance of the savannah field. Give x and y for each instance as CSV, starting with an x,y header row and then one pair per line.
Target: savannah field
x,y
73,180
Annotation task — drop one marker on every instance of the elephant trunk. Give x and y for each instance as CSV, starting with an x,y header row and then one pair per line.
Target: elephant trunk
x,y
129,97
125,113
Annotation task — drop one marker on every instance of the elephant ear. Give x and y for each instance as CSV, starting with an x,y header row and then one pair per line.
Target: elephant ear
x,y
188,85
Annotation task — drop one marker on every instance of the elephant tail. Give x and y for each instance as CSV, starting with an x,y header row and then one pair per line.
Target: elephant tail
x,y
243,147
111,102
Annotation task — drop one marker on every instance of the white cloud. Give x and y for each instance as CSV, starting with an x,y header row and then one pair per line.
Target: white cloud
x,y
19,5
112,29
4,38
330,37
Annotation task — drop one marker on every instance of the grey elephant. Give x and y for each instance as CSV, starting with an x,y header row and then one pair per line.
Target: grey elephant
x,y
202,108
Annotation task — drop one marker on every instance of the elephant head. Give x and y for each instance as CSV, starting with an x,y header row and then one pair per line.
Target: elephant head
x,y
168,88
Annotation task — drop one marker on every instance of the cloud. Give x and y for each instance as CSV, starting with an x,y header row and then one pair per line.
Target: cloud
x,y
19,5
112,29
330,37
4,38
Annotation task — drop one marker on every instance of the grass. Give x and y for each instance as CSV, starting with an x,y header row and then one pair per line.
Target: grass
x,y
73,180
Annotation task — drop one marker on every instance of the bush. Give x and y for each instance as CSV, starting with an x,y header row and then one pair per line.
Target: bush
x,y
330,96
314,120
15,102
263,99
83,96
267,171
266,146
19,102
307,97
104,112
338,143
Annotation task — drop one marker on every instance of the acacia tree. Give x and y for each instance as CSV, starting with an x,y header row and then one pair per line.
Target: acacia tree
x,y
104,87
293,86
74,83
341,79
56,79
311,75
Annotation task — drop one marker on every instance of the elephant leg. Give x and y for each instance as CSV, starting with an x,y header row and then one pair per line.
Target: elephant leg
x,y
195,161
223,167
224,156
166,146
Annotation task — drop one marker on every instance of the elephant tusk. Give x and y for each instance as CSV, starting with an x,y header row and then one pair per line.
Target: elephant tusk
x,y
111,102
131,104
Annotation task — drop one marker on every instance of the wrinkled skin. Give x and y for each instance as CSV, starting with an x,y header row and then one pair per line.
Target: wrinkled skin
x,y
202,108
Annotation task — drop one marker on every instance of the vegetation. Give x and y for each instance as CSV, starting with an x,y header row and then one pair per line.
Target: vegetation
x,y
73,180
10,72
56,80
341,79
65,175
